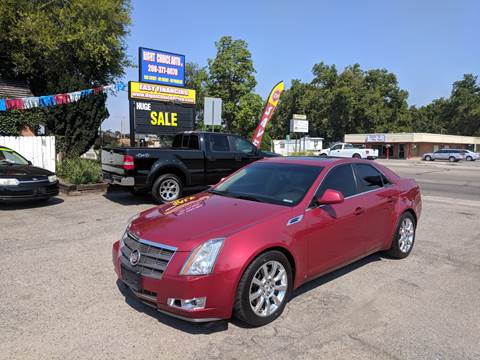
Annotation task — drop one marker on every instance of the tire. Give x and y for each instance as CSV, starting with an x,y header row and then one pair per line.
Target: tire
x,y
323,155
356,156
452,159
469,158
428,158
166,188
267,292
402,246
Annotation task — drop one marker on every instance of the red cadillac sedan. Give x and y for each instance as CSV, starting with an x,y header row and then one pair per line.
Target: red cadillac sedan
x,y
243,246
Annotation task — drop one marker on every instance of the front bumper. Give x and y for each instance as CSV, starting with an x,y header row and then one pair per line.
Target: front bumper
x,y
29,191
218,288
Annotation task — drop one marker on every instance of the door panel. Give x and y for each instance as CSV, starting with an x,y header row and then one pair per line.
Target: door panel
x,y
219,159
335,235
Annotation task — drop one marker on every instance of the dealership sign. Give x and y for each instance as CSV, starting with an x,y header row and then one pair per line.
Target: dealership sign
x,y
161,67
145,91
376,138
152,117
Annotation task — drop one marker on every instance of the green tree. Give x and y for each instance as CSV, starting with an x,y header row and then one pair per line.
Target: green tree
x,y
59,46
196,78
463,109
231,76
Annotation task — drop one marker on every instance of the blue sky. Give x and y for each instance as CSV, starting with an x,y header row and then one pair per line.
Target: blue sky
x,y
428,44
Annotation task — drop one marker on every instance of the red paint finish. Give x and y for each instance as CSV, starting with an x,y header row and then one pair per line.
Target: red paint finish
x,y
328,236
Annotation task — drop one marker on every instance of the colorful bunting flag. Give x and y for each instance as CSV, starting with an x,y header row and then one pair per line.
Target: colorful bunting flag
x,y
57,99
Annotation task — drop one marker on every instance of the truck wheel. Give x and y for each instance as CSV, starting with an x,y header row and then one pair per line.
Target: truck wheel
x,y
167,187
323,155
356,156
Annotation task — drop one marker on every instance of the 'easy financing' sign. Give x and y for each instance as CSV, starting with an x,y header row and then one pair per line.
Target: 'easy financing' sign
x,y
161,67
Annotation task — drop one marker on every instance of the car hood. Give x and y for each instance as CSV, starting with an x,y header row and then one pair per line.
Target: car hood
x,y
187,222
22,171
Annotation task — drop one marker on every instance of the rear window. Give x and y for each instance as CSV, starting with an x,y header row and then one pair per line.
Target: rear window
x,y
186,141
368,178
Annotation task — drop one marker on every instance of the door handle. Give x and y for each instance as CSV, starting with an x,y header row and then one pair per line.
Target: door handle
x,y
359,211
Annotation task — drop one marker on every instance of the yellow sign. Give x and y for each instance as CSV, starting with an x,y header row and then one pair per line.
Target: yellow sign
x,y
163,118
145,91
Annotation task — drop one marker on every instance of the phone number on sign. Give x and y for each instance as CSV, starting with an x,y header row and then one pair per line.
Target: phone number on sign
x,y
162,70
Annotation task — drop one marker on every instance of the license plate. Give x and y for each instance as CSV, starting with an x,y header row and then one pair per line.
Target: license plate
x,y
107,177
132,279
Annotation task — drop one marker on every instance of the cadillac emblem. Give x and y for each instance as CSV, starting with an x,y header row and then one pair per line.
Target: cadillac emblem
x,y
134,257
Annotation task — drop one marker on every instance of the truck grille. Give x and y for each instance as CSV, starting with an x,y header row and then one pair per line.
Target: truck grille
x,y
154,258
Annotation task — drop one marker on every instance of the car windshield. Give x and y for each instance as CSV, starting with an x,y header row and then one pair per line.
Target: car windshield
x,y
8,156
283,184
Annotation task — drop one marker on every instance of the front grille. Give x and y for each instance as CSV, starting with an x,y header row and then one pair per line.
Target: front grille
x,y
154,258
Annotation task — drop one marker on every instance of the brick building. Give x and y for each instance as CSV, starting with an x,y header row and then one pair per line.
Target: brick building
x,y
412,145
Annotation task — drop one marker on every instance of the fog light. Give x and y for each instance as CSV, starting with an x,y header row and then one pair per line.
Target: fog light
x,y
188,304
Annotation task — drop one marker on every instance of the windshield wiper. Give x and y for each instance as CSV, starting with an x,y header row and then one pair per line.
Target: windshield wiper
x,y
246,197
217,192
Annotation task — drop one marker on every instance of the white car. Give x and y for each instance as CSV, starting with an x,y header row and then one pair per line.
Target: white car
x,y
349,151
470,155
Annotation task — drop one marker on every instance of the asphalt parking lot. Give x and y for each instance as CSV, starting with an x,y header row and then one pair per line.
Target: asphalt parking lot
x,y
59,297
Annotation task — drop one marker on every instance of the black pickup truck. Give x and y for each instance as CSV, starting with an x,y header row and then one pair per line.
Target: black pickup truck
x,y
196,159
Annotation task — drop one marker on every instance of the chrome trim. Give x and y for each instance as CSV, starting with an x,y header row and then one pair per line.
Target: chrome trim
x,y
295,220
151,243
142,296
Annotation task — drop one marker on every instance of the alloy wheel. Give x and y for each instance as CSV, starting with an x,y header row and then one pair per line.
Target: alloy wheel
x,y
406,234
169,190
268,288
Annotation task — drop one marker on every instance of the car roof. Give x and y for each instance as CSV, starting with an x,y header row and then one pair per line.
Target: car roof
x,y
311,160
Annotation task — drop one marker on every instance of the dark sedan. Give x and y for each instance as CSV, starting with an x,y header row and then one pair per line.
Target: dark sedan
x,y
21,181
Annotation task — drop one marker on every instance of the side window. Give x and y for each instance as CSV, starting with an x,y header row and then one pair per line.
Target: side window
x,y
340,178
336,147
193,143
368,177
177,141
219,142
241,145
186,138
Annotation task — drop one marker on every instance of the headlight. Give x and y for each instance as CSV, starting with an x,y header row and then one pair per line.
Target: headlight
x,y
52,178
9,182
202,259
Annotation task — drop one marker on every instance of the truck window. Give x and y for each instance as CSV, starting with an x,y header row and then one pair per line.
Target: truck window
x,y
348,146
185,141
193,142
177,141
219,142
241,145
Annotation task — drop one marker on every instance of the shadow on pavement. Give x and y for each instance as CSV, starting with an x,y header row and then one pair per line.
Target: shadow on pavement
x,y
222,325
123,197
31,204
336,274
182,325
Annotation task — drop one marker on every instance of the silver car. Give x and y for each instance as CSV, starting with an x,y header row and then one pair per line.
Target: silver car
x,y
451,155
470,155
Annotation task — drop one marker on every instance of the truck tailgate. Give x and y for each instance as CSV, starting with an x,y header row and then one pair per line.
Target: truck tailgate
x,y
112,162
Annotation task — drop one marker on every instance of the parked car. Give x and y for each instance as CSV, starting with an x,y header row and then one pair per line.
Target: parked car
x,y
21,181
451,155
196,159
470,155
242,247
349,151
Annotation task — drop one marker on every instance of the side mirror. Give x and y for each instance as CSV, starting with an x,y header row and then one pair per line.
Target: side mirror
x,y
330,197
29,162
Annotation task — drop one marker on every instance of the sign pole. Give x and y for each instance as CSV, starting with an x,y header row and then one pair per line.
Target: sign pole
x,y
132,123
